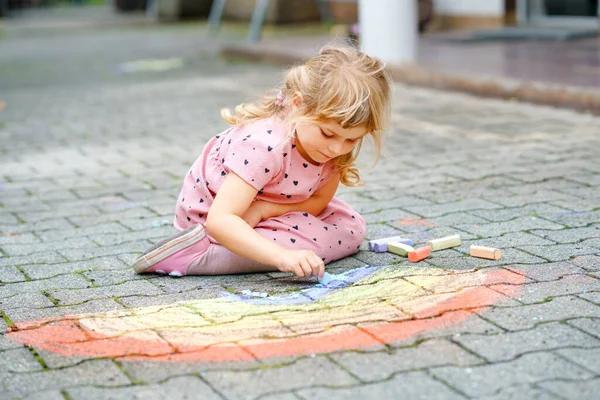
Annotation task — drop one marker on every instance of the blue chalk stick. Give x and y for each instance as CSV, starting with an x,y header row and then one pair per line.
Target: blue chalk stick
x,y
380,245
326,279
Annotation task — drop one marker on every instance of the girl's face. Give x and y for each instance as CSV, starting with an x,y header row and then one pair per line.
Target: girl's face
x,y
320,141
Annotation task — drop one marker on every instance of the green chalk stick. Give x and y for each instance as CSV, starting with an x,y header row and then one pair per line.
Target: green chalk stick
x,y
444,243
399,248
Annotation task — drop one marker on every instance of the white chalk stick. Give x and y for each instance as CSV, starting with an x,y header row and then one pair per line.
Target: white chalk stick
x,y
399,248
444,243
485,252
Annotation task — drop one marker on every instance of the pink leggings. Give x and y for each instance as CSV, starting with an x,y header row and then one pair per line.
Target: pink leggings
x,y
336,233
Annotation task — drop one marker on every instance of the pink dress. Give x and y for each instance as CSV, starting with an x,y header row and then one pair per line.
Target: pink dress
x,y
264,156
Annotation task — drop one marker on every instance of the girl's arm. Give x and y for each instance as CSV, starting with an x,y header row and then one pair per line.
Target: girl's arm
x,y
314,205
225,224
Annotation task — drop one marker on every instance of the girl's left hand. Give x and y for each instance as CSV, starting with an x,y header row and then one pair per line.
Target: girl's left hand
x,y
258,211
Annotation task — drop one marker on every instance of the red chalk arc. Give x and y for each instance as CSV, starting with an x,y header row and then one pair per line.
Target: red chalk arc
x,y
183,332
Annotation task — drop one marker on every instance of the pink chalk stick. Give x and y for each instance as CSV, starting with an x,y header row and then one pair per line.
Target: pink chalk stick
x,y
419,254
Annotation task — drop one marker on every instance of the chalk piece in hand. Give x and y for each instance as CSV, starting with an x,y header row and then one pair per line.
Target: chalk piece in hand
x,y
399,248
325,279
485,252
444,243
381,245
419,254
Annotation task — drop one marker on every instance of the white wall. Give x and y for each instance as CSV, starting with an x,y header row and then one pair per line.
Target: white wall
x,y
469,7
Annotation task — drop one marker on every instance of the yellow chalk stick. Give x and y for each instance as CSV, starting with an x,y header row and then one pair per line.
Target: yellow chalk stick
x,y
444,243
485,252
399,248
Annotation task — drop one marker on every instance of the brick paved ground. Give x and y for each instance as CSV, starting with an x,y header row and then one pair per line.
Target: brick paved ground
x,y
91,163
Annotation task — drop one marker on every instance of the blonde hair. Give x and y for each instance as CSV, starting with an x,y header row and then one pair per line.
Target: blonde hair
x,y
341,84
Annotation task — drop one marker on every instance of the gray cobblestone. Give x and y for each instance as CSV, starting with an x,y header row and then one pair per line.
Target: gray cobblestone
x,y
506,346
569,235
86,254
26,249
530,368
525,317
526,211
516,225
50,257
520,392
539,291
19,360
560,252
378,366
588,358
64,281
88,373
39,271
93,306
438,210
129,288
413,385
242,384
10,274
185,387
580,390
547,271
92,231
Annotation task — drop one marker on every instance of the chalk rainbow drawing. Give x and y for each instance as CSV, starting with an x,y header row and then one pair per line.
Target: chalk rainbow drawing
x,y
365,307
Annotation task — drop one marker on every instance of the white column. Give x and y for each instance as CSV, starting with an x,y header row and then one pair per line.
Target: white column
x,y
388,29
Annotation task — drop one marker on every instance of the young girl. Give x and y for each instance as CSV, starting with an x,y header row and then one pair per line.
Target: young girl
x,y
261,195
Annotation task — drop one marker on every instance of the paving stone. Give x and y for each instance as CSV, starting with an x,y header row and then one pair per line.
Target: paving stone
x,y
466,263
569,235
387,215
25,249
81,254
436,210
129,288
588,358
113,277
46,395
512,239
455,282
590,263
539,291
376,366
25,300
594,297
548,271
10,274
575,219
20,238
19,360
519,224
63,281
525,317
50,257
580,390
91,231
185,387
560,252
38,226
520,392
26,315
412,385
506,346
94,372
529,368
525,211
244,384
5,342
40,271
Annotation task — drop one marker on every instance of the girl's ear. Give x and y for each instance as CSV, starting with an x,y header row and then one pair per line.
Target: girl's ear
x,y
297,99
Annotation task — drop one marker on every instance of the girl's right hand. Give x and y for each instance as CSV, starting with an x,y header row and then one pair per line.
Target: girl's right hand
x,y
303,263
